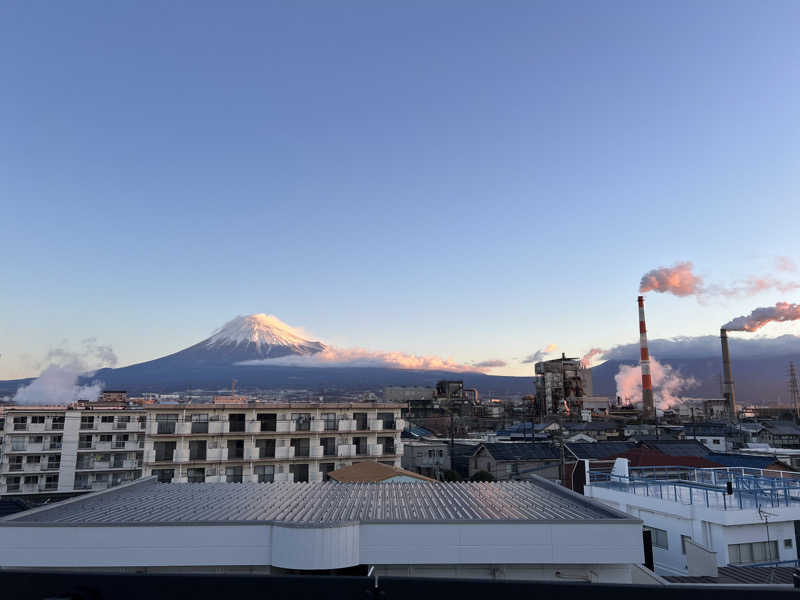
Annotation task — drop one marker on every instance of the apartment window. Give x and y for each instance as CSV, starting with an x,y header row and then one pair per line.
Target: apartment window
x,y
34,459
753,552
199,423
105,438
236,422
20,423
122,422
12,484
361,445
87,422
235,449
265,473
330,421
15,463
53,462
85,441
36,439
82,481
164,451
142,421
37,419
388,420
57,423
233,474
31,479
107,419
51,482
388,444
300,471
715,442
361,420
326,468
269,421
302,447
302,421
684,539
165,424
328,446
120,441
55,442
266,448
197,450
196,475
118,460
101,478
102,458
164,475
2,424
85,461
18,444
787,543
659,538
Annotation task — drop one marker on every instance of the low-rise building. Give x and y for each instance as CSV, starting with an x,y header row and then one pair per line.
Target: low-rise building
x,y
508,460
533,530
780,434
427,458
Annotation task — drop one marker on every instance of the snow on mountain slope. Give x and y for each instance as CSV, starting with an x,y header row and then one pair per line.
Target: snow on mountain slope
x,y
263,333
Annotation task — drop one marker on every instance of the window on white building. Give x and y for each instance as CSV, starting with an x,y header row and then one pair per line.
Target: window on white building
x,y
787,543
752,552
684,539
659,538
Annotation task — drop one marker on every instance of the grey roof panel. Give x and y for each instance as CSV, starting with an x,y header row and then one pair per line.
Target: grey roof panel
x,y
148,502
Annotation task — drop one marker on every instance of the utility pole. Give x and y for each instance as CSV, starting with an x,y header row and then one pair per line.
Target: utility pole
x,y
794,390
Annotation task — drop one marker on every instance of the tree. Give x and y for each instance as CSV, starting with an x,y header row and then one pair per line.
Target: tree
x,y
451,475
482,476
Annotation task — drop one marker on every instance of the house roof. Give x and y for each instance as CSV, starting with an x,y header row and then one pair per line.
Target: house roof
x,y
413,431
648,457
781,427
743,460
148,502
370,471
598,450
678,447
592,426
522,451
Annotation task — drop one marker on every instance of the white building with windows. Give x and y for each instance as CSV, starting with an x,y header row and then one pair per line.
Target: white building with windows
x,y
733,516
265,442
57,450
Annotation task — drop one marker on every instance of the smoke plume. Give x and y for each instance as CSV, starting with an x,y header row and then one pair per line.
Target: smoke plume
x,y
678,279
539,354
668,384
491,364
57,383
782,311
707,346
784,263
586,360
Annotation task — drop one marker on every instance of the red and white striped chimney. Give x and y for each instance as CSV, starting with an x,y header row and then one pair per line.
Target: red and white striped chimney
x,y
648,407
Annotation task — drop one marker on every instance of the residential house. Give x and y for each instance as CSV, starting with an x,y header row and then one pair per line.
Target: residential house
x,y
506,460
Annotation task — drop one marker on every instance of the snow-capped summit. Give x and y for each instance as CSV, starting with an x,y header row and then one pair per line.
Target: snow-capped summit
x,y
264,333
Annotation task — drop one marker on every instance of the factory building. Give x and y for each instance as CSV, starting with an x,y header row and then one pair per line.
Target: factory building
x,y
510,530
561,384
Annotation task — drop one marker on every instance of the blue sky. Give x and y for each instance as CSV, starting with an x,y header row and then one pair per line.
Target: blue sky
x,y
473,180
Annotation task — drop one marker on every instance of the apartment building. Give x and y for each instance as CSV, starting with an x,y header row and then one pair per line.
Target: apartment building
x,y
266,442
60,450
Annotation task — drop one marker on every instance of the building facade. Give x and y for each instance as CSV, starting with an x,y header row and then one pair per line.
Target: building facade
x,y
268,442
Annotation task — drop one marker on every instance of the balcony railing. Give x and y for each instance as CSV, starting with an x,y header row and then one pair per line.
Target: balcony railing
x,y
166,428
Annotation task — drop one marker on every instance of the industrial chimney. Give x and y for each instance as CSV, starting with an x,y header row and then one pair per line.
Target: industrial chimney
x,y
648,406
727,386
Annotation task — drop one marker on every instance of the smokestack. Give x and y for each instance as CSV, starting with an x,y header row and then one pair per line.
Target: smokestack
x,y
648,407
727,376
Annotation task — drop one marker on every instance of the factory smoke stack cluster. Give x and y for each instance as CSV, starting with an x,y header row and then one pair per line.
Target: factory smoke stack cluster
x,y
648,406
727,376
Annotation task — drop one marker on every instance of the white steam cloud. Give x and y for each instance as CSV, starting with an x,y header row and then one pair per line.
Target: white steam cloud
x,y
782,311
586,359
539,354
668,384
57,383
708,346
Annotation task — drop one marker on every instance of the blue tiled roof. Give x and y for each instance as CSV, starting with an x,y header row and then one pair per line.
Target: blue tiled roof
x,y
599,450
678,447
741,460
522,451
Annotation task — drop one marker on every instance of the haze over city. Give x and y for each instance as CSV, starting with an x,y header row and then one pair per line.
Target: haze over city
x,y
444,180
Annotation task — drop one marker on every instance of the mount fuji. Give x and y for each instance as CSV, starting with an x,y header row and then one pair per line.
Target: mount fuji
x,y
262,352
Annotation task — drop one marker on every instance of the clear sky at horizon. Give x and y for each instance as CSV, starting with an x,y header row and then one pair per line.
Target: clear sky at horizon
x,y
474,180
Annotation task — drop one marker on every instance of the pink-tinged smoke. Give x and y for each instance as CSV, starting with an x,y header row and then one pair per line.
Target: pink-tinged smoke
x,y
358,357
782,311
668,384
539,354
784,263
586,359
678,279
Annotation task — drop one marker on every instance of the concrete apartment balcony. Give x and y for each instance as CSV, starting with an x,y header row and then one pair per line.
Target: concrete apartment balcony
x,y
251,453
217,454
314,476
316,452
183,428
215,427
346,450
285,426
30,488
317,425
100,446
103,427
284,478
398,447
347,425
284,452
399,424
181,456
131,464
149,456
375,449
36,427
375,425
253,426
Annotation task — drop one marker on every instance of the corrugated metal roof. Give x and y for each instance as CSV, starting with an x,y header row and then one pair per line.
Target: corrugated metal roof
x,y
678,447
321,503
743,460
599,449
